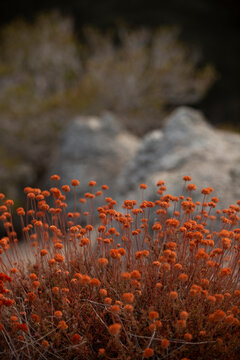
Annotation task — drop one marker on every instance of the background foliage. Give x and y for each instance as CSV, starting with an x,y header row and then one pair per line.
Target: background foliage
x,y
47,76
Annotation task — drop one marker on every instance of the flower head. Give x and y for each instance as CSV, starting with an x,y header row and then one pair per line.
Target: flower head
x,y
114,329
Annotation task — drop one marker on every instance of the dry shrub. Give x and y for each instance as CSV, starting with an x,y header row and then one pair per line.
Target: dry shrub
x,y
144,75
120,289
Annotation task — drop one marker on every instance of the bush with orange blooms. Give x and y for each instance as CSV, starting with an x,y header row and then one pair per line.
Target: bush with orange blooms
x,y
121,287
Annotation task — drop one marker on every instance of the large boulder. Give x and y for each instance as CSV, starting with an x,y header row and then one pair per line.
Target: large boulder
x,y
187,145
93,148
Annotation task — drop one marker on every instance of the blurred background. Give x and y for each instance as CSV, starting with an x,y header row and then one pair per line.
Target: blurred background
x,y
137,59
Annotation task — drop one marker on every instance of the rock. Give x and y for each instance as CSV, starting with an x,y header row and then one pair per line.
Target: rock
x,y
93,148
186,145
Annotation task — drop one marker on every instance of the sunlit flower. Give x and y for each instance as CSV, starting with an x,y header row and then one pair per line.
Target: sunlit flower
x,y
148,352
128,297
75,182
59,258
62,325
58,314
165,343
114,329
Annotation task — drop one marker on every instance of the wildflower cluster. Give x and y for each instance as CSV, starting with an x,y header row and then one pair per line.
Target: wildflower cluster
x,y
120,287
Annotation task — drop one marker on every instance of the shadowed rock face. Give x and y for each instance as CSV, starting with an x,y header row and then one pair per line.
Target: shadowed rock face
x,y
187,145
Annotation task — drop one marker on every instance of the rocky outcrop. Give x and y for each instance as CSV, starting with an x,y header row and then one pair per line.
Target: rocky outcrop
x,y
93,148
187,145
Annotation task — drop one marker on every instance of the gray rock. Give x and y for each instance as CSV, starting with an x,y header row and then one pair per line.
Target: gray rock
x,y
93,148
187,145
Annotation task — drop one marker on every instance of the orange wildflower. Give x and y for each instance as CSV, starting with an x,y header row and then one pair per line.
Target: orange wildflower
x,y
101,351
62,325
114,329
76,338
172,222
188,336
94,282
9,203
224,272
58,245
128,297
135,274
158,323
181,324
75,182
36,284
35,318
55,177
153,315
178,266
84,279
122,251
89,227
157,227
237,293
59,258
102,261
108,301
114,254
43,252
65,188
173,295
45,344
160,182
98,193
128,308
115,309
84,242
20,211
51,262
148,352
58,314
217,316
22,327
92,183
211,299
165,343
55,290
219,297
103,292
207,191
33,276
191,187
126,275
101,228
205,283
31,296
13,318
183,315
165,267
235,310
229,319
227,295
